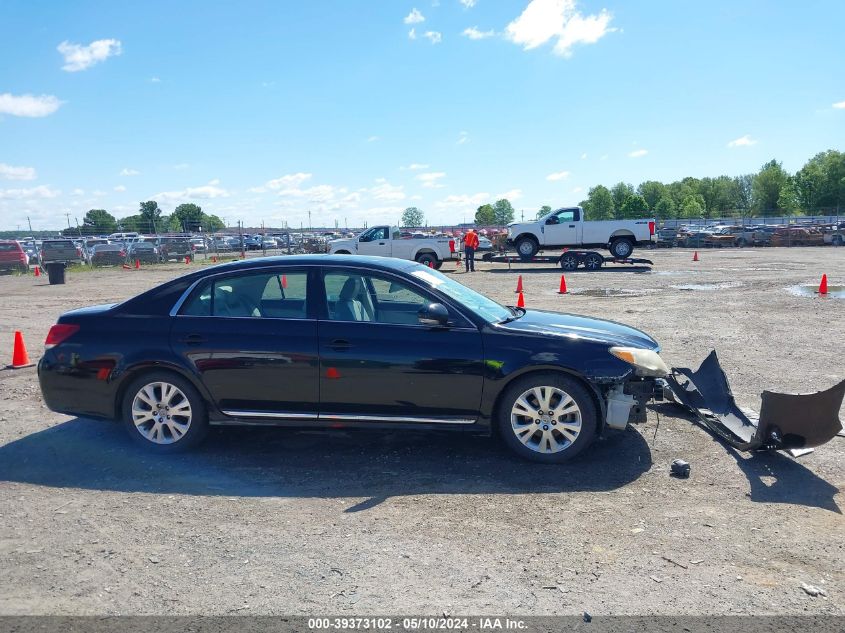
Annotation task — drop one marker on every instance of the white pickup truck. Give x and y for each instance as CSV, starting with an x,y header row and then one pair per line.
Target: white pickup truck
x,y
386,241
566,228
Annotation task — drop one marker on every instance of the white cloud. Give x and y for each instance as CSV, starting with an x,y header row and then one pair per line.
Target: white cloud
x,y
469,4
742,141
373,139
638,153
414,167
558,175
284,183
577,189
42,191
10,172
181,166
513,194
412,34
839,105
463,201
28,105
155,80
584,156
431,180
385,191
474,33
126,171
463,137
544,20
78,192
435,37
205,192
79,57
120,188
414,17
98,193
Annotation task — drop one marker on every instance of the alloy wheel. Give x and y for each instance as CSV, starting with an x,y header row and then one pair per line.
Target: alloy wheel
x,y
161,413
546,419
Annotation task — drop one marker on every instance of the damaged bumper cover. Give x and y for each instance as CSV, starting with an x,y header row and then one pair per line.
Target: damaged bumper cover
x,y
785,422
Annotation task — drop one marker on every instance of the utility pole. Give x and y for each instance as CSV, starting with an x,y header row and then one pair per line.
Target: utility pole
x,y
30,224
241,233
309,220
67,215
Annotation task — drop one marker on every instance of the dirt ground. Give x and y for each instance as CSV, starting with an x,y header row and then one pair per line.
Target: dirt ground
x,y
282,522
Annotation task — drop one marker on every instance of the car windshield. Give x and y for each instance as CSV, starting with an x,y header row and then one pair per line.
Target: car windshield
x,y
487,309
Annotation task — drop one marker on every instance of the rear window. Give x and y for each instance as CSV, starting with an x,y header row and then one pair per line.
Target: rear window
x,y
59,244
9,246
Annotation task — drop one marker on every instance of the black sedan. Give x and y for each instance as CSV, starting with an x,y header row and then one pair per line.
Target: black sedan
x,y
343,341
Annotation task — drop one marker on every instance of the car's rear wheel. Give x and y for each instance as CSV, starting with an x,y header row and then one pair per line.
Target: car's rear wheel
x,y
526,248
427,259
164,412
548,418
621,248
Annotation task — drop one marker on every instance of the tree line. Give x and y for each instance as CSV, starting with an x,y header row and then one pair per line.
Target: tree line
x,y
819,186
186,218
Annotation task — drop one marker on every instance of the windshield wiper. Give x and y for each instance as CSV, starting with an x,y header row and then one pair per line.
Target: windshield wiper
x,y
516,312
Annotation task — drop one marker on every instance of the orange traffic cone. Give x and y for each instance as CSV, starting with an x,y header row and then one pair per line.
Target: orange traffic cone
x,y
562,290
20,358
137,264
695,256
519,284
37,271
213,259
430,264
284,281
823,285
126,267
187,259
520,301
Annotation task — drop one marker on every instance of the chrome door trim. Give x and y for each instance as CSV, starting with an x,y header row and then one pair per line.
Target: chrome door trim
x,y
286,415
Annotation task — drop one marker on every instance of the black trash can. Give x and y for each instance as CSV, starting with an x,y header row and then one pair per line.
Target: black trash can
x,y
56,273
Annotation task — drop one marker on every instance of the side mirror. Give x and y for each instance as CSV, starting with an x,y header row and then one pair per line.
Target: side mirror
x,y
364,238
434,314
552,220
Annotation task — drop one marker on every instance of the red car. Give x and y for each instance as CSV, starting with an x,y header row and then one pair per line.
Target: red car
x,y
12,256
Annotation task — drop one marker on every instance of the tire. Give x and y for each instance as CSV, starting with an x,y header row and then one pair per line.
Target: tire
x,y
593,261
427,259
527,435
166,438
741,242
621,247
438,265
838,240
569,261
526,248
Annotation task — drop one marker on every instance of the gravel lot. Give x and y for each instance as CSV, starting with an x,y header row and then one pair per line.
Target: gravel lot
x,y
282,522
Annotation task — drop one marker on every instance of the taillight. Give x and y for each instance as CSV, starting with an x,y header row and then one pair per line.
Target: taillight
x,y
123,253
651,228
59,333
451,246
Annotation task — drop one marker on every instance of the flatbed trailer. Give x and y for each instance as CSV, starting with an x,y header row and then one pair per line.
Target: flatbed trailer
x,y
568,260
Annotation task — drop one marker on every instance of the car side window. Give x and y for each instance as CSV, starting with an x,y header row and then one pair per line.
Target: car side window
x,y
566,216
352,296
265,295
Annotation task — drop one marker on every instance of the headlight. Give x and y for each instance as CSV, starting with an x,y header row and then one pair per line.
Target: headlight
x,y
647,362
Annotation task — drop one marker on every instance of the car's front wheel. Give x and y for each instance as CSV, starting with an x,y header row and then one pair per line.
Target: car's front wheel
x,y
548,418
621,248
527,247
164,412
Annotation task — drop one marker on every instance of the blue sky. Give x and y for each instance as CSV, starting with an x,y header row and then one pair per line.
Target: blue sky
x,y
261,111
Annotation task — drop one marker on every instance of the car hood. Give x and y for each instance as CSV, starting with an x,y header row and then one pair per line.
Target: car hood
x,y
574,326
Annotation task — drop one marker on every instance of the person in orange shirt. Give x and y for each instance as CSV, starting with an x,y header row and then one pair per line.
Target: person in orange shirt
x,y
470,244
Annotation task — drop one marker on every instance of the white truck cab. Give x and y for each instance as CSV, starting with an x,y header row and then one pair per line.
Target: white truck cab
x,y
566,228
387,241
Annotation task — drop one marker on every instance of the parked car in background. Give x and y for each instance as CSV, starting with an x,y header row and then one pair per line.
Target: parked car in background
x,y
834,234
667,237
356,342
175,248
484,244
252,243
387,241
144,252
109,254
199,244
13,257
31,250
62,251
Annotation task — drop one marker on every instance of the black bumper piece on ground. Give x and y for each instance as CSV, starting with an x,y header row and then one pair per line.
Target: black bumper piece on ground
x,y
786,421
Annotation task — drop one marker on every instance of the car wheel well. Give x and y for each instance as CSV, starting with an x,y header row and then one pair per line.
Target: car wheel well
x,y
529,236
132,375
342,253
600,409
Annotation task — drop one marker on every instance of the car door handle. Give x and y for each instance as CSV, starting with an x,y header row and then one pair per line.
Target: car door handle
x,y
381,243
193,339
571,226
340,345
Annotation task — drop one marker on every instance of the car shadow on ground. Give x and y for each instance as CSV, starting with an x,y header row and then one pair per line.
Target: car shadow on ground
x,y
774,477
253,462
